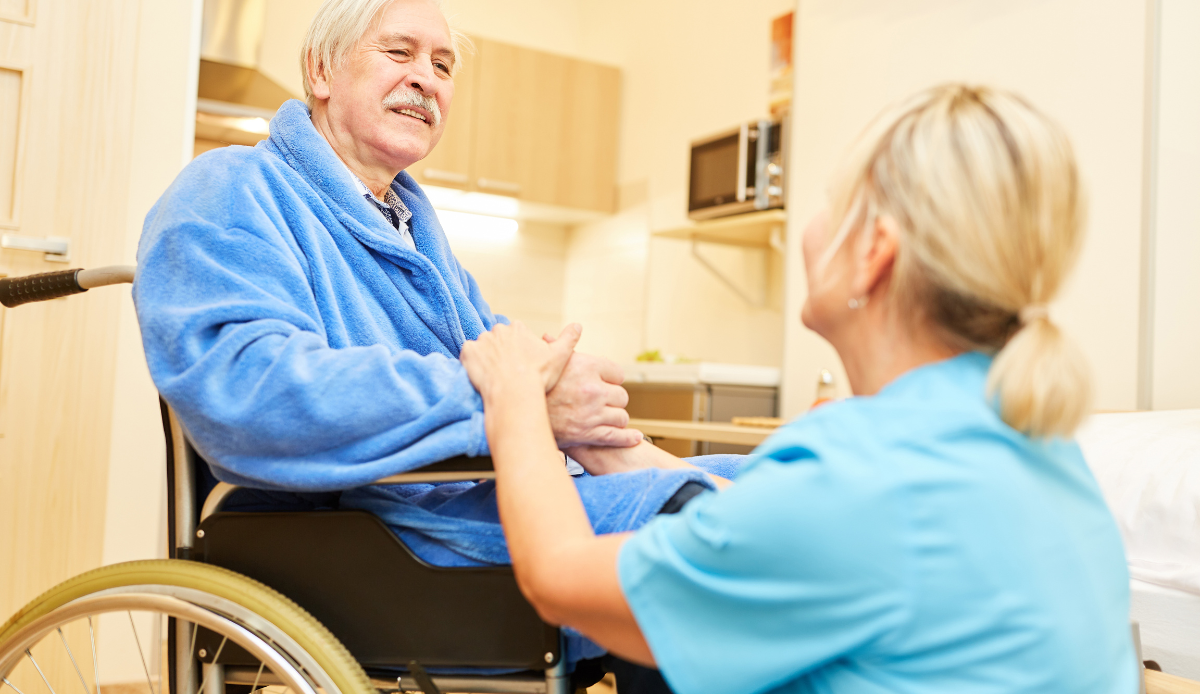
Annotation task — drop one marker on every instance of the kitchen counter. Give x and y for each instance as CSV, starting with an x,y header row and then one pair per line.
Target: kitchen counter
x,y
713,432
702,372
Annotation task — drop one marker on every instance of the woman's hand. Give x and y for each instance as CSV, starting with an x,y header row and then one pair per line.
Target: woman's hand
x,y
513,355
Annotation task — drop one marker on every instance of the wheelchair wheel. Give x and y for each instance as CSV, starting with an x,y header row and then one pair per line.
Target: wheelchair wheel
x,y
292,646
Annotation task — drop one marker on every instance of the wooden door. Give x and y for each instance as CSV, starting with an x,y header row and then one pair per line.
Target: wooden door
x,y
67,79
450,162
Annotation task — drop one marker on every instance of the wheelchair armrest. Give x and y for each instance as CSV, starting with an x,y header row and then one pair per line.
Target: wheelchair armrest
x,y
458,469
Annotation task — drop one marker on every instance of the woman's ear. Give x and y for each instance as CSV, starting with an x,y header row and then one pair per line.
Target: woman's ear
x,y
875,254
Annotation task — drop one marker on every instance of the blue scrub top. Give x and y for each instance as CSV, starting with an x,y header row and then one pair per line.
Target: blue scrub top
x,y
905,542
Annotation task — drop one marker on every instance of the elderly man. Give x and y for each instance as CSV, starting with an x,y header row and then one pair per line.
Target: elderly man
x,y
303,313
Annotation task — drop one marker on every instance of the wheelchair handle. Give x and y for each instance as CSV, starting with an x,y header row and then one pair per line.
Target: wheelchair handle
x,y
15,291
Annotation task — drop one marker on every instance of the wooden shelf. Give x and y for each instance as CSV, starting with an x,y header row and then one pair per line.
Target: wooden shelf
x,y
758,229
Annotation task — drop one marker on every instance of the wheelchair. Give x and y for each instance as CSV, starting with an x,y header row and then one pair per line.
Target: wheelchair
x,y
309,599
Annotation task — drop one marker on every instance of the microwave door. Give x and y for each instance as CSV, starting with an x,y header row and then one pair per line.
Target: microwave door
x,y
716,172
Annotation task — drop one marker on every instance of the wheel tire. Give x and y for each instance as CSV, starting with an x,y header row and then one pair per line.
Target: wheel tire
x,y
273,607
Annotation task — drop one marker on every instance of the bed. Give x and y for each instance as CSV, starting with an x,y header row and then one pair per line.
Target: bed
x,y
1148,465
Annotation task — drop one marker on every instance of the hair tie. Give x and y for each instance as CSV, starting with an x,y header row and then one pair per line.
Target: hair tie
x,y
1033,312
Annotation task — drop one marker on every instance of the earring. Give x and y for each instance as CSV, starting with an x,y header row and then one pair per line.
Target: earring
x,y
857,303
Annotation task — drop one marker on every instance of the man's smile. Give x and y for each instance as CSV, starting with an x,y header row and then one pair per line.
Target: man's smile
x,y
413,113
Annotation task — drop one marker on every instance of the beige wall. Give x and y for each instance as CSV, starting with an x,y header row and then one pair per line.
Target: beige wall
x,y
164,117
690,69
1081,61
163,120
584,29
285,23
1176,285
522,277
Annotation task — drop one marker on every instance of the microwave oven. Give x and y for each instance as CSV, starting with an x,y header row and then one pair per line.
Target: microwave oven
x,y
739,170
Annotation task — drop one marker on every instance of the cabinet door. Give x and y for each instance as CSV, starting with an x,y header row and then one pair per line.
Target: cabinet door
x,y
449,164
546,127
587,152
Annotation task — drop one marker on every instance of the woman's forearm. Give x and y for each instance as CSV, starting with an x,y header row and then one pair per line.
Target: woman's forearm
x,y
531,485
563,569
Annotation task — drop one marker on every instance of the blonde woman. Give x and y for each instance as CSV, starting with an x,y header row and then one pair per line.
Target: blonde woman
x,y
938,533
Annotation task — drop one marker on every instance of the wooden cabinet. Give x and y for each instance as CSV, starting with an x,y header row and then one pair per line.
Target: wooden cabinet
x,y
531,125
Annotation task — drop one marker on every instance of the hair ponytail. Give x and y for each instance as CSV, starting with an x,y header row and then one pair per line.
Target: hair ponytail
x,y
1040,381
987,197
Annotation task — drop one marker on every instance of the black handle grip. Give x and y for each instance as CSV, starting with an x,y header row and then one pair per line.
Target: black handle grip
x,y
15,291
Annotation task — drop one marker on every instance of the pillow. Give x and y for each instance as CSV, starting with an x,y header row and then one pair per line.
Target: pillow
x,y
1148,466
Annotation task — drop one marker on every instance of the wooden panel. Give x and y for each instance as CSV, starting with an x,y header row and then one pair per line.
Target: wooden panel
x,y
449,164
587,172
546,127
520,121
58,358
1162,683
17,11
11,82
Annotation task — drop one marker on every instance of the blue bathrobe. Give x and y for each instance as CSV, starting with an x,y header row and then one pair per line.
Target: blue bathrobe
x,y
306,349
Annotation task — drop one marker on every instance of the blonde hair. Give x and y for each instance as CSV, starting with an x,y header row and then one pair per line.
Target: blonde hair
x,y
340,25
985,192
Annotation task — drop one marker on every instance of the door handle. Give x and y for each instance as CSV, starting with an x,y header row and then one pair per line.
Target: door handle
x,y
444,176
499,186
56,248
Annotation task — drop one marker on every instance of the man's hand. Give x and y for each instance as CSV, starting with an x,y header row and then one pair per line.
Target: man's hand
x,y
598,460
587,406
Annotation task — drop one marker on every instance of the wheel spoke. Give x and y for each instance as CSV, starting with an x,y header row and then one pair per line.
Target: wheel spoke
x,y
145,668
217,655
95,662
39,670
191,656
254,687
18,691
72,657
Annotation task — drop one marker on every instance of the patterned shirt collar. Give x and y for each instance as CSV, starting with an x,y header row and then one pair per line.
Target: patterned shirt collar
x,y
392,206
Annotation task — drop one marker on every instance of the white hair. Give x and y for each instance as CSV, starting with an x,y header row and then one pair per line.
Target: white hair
x,y
340,25
988,200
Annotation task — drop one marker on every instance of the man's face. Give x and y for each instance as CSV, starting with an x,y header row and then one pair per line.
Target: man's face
x,y
392,94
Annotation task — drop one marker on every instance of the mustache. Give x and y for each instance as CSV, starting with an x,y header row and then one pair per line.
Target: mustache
x,y
400,97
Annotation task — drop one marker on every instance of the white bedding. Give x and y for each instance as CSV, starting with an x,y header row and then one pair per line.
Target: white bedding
x,y
1148,466
1169,620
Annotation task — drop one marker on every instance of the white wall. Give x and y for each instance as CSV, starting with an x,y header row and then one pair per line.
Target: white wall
x,y
1176,285
1080,61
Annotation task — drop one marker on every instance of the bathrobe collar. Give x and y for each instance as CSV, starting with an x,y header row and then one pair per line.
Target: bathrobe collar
x,y
432,266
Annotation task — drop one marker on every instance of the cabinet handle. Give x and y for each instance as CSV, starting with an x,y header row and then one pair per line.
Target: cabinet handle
x,y
446,176
500,186
57,249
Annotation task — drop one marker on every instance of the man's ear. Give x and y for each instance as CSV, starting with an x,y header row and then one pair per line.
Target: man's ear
x,y
875,254
318,77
